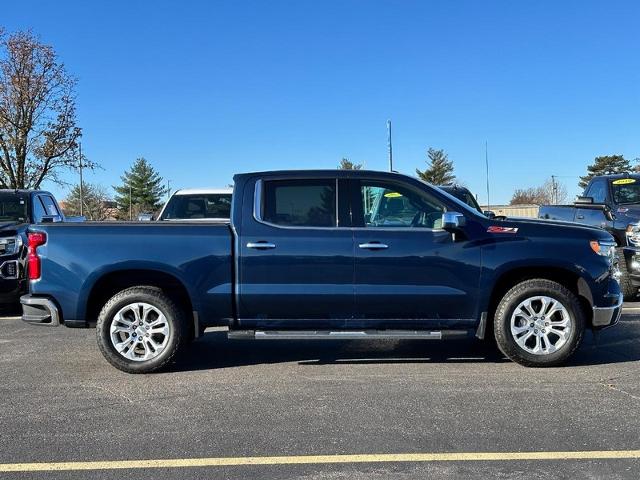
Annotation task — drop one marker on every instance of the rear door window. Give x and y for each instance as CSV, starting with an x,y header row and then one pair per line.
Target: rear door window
x,y
300,203
38,210
598,191
49,205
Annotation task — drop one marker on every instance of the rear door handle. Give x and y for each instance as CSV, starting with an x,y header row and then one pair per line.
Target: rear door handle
x,y
579,217
373,246
261,245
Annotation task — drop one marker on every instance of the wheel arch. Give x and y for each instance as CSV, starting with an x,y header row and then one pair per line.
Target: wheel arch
x,y
110,283
564,276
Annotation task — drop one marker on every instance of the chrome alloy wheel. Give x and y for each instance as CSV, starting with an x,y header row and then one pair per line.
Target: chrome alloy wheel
x,y
541,325
139,331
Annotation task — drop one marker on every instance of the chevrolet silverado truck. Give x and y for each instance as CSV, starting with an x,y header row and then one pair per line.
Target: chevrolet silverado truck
x,y
19,209
304,257
610,202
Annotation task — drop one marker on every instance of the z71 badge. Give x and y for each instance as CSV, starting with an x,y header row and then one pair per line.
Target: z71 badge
x,y
497,229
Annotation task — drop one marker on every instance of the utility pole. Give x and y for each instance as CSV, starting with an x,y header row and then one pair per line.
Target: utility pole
x,y
81,189
168,189
486,161
389,145
130,204
554,190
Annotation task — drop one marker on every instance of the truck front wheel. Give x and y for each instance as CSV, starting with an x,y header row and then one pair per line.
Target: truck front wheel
x,y
141,330
539,323
629,292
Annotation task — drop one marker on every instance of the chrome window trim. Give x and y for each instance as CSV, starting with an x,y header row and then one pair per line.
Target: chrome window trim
x,y
257,214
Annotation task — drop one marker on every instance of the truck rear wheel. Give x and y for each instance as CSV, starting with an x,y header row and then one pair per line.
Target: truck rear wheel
x,y
539,323
141,330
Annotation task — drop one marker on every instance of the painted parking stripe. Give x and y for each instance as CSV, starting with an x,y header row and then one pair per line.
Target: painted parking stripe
x,y
319,459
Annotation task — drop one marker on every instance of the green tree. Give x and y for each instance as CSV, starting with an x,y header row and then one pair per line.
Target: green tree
x,y
97,205
605,165
346,164
439,170
142,190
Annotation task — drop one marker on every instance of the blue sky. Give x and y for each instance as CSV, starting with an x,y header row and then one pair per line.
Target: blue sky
x,y
204,89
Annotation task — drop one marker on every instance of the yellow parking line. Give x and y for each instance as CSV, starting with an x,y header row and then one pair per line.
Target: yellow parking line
x,y
319,459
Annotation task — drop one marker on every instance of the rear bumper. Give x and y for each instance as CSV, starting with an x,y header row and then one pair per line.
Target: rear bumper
x,y
607,316
39,311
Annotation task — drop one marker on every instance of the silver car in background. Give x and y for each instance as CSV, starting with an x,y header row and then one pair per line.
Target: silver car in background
x,y
202,204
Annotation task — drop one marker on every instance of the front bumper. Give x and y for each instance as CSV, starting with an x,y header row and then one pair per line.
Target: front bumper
x,y
39,311
631,257
607,316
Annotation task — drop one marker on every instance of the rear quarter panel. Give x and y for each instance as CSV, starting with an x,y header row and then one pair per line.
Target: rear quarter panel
x,y
76,256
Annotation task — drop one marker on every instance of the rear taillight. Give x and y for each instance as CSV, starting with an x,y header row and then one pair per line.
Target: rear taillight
x,y
35,240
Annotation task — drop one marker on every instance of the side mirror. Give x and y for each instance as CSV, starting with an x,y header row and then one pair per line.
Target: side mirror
x,y
51,219
489,214
453,221
584,201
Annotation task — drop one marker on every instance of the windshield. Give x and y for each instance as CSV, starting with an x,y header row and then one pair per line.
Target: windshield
x,y
463,206
13,208
198,206
626,191
466,197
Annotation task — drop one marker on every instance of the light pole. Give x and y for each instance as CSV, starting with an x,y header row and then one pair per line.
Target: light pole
x,y
389,147
81,189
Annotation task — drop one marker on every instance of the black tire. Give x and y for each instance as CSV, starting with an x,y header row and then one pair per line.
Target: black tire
x,y
178,330
518,294
629,292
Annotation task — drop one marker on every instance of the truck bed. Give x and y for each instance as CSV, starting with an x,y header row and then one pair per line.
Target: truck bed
x,y
198,255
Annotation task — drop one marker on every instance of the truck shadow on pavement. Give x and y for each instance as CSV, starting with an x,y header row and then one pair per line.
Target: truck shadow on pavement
x,y
213,350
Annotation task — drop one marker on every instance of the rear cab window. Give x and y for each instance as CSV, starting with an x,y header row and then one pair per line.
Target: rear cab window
x,y
299,202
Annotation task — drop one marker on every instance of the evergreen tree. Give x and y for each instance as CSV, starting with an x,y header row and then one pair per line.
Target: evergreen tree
x,y
439,170
346,164
146,188
605,165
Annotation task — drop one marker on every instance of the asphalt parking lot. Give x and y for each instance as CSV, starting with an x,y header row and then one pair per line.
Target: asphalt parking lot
x,y
225,403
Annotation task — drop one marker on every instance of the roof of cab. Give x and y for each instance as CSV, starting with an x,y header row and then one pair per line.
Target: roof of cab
x,y
202,191
339,173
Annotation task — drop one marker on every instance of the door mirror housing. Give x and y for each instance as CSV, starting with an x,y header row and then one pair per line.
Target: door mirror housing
x,y
584,201
453,221
489,214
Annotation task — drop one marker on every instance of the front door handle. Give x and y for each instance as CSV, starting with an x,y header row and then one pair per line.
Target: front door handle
x,y
373,246
261,245
579,217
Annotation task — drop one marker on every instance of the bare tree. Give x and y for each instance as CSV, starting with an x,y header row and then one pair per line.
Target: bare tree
x,y
548,193
96,202
38,131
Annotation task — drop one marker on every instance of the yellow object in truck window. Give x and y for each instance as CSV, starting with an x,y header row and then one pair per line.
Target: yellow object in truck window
x,y
624,181
392,195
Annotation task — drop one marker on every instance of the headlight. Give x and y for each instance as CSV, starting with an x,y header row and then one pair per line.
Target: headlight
x,y
10,245
604,249
633,235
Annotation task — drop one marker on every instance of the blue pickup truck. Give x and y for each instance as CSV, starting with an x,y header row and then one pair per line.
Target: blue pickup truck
x,y
326,254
